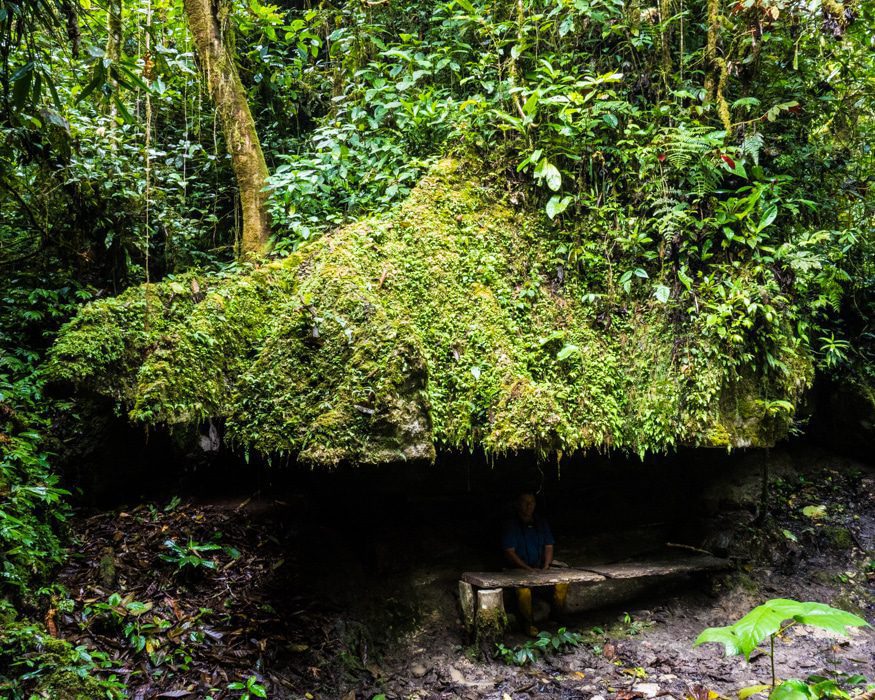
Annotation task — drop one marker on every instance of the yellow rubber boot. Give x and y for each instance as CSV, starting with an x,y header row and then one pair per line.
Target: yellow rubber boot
x,y
524,602
560,593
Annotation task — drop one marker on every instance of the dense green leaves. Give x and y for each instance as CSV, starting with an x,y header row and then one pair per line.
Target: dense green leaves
x,y
736,204
31,505
716,216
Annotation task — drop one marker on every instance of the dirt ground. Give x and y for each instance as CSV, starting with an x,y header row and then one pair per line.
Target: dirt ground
x,y
310,609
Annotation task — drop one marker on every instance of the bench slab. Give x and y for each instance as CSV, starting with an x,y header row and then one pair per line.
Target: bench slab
x,y
523,579
669,567
594,574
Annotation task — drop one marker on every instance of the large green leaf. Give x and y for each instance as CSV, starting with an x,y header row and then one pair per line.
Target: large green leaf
x,y
557,205
548,172
766,619
792,689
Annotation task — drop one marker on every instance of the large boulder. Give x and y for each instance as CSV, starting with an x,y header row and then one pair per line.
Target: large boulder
x,y
457,320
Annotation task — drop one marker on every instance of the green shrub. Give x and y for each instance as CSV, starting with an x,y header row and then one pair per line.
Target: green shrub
x,y
544,644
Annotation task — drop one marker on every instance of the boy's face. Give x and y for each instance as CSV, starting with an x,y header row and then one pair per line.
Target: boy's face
x,y
525,507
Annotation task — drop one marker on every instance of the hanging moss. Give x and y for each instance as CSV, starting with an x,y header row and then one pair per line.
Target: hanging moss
x,y
448,324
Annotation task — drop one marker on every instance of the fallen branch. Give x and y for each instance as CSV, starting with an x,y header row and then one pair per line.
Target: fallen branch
x,y
689,548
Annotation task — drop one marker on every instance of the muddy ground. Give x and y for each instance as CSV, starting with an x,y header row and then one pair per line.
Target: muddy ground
x,y
351,608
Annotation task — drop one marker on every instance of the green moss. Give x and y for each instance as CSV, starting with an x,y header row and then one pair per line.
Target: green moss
x,y
447,325
67,685
838,537
490,627
56,670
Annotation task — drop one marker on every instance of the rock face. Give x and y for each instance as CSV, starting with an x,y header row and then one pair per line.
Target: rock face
x,y
844,416
456,322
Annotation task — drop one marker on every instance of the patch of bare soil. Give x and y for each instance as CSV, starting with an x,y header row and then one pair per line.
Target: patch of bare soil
x,y
190,598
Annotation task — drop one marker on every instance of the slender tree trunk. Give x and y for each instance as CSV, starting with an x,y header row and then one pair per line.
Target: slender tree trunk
x,y
664,17
206,19
113,51
716,70
113,30
712,70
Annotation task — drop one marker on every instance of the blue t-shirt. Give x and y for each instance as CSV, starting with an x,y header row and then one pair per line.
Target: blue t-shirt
x,y
527,540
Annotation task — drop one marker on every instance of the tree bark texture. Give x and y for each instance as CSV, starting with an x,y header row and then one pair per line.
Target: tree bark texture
x,y
664,18
113,51
712,65
716,70
113,30
206,20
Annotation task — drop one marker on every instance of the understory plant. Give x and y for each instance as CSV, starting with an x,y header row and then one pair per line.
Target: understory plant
x,y
250,688
34,664
32,509
542,645
770,620
194,555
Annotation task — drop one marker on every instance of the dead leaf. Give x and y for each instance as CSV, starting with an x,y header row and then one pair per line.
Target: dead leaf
x,y
628,695
50,622
700,692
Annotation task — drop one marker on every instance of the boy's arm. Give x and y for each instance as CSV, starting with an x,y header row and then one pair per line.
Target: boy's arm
x,y
548,555
514,559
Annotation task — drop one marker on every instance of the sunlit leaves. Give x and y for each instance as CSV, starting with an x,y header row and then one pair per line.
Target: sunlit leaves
x,y
629,275
549,174
557,204
662,293
567,352
775,110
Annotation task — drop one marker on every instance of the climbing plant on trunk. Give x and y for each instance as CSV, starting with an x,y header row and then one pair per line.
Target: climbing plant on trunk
x,y
209,24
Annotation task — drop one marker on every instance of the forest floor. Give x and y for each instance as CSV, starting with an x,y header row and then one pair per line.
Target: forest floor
x,y
189,598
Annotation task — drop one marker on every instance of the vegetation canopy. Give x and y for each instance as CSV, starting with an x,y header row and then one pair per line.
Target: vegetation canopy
x,y
366,231
659,254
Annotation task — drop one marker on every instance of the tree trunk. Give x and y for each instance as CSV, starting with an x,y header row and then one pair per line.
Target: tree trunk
x,y
207,20
113,30
113,53
665,40
716,70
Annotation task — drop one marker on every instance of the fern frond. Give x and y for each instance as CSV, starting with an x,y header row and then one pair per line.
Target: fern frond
x,y
672,217
684,144
752,145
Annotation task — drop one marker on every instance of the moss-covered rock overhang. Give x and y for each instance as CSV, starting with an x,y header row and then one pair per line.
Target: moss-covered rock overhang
x,y
455,322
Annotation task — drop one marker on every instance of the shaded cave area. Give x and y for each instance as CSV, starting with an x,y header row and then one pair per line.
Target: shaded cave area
x,y
345,581
387,519
602,507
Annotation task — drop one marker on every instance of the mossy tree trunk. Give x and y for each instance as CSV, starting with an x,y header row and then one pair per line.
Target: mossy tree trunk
x,y
717,71
208,21
113,46
665,20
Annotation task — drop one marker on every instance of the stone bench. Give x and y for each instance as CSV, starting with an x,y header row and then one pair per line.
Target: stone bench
x,y
481,593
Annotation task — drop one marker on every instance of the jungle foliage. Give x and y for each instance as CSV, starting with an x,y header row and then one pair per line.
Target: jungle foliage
x,y
690,181
654,227
767,621
441,325
686,187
